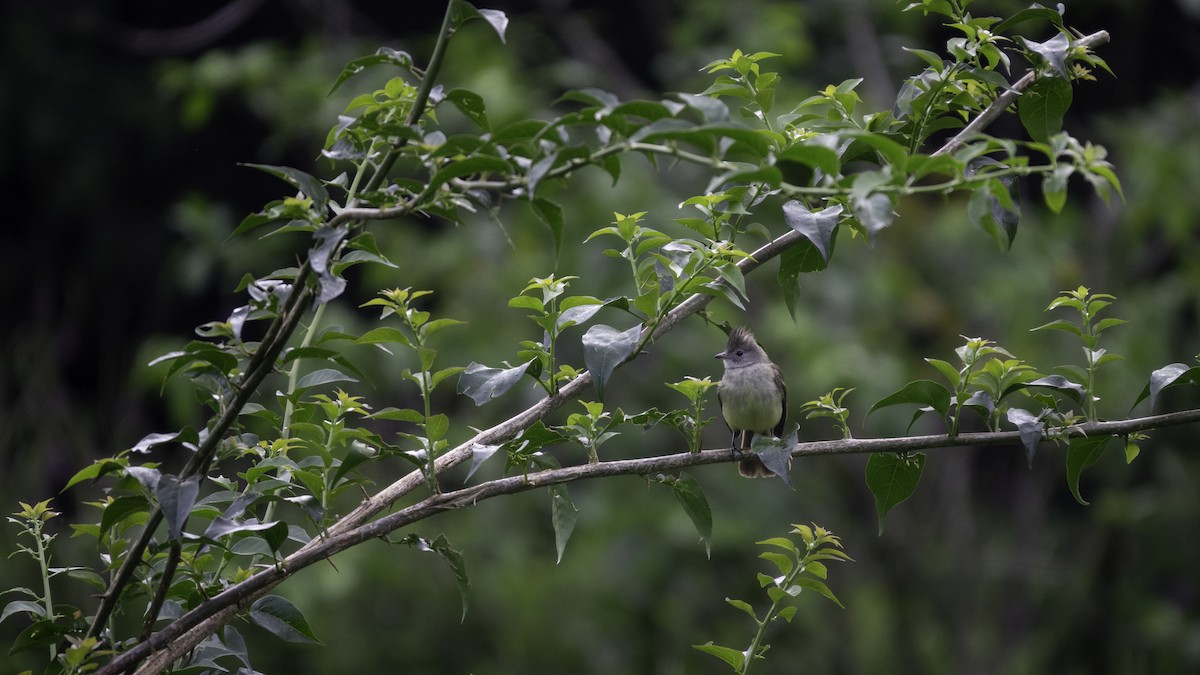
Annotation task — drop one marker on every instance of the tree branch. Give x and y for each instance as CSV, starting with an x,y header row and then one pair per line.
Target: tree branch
x,y
1007,98
260,365
263,360
170,642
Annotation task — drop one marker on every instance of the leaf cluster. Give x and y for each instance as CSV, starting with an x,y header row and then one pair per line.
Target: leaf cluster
x,y
800,567
268,475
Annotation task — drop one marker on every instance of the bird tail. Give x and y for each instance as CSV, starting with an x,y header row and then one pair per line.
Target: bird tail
x,y
754,468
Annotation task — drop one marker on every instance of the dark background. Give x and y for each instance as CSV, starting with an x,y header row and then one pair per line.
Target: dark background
x,y
123,124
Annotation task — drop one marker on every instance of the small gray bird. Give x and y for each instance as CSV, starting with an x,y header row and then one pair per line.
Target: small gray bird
x,y
752,395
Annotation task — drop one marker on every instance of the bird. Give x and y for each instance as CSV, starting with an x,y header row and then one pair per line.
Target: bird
x,y
752,396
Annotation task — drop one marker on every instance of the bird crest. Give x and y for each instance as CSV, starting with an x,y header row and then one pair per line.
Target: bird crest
x,y
740,338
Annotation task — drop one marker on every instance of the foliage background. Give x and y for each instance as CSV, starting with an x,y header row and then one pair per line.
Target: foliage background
x,y
117,167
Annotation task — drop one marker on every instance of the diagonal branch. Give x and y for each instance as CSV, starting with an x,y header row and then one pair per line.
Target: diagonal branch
x,y
518,423
1007,98
261,365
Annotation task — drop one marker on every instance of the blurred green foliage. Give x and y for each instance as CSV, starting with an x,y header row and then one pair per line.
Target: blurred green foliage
x,y
120,172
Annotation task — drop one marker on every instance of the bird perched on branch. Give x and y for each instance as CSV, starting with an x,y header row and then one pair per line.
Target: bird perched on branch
x,y
752,395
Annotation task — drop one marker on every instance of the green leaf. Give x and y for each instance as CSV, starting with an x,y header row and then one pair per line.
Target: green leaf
x,y
452,557
942,7
436,426
802,258
1170,375
398,415
327,241
817,227
282,619
874,212
1083,452
1060,324
782,562
34,609
293,353
732,275
741,605
920,392
563,515
775,453
984,213
1059,383
820,587
576,310
890,151
605,348
812,155
464,11
39,634
1052,51
527,302
358,453
1054,188
479,455
438,324
323,376
733,657
993,207
892,478
95,470
471,105
221,526
780,542
612,166
713,289
1105,324
1042,106
934,60
551,214
948,371
708,137
385,55
458,565
147,476
483,384
310,186
120,509
1036,11
176,498
151,440
691,497
1029,427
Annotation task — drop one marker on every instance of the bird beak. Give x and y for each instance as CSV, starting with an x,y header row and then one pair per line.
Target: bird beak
x,y
721,355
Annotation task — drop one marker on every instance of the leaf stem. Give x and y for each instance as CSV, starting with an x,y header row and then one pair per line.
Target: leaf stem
x,y
43,559
770,616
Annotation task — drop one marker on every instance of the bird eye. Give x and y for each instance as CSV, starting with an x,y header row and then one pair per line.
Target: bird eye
x,y
739,352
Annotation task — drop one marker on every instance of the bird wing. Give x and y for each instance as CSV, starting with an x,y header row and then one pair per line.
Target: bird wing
x,y
721,407
778,431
